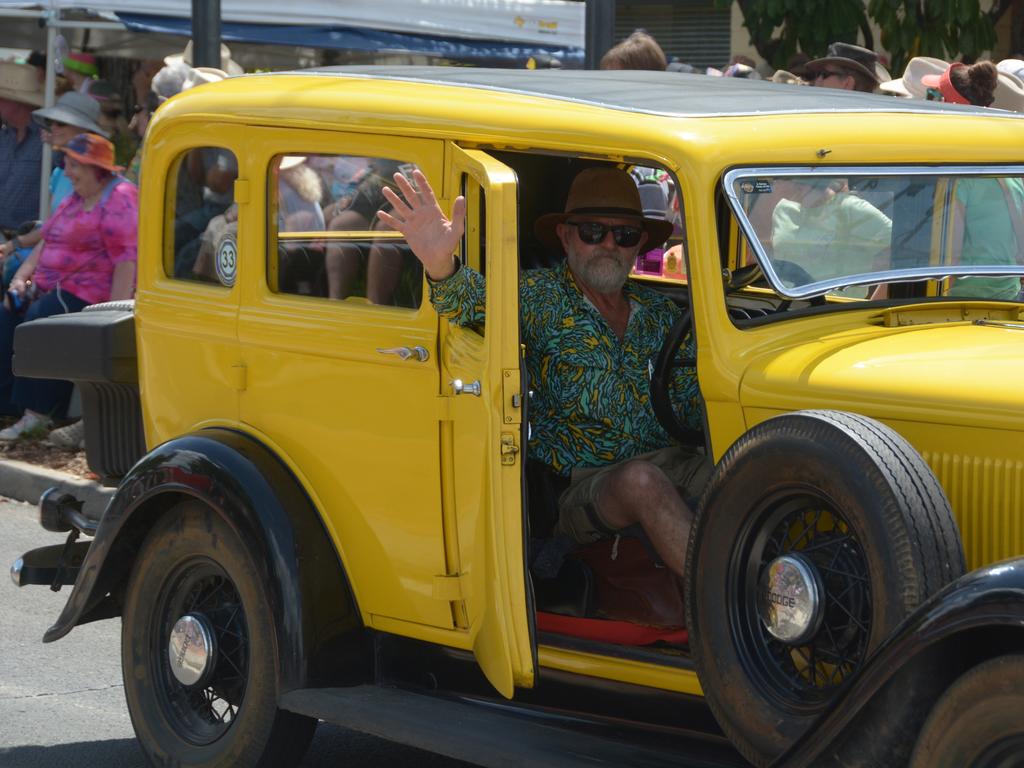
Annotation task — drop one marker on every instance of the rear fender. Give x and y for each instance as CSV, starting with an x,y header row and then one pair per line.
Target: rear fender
x,y
321,640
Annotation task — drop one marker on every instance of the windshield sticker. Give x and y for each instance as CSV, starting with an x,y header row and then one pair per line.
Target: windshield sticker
x,y
757,186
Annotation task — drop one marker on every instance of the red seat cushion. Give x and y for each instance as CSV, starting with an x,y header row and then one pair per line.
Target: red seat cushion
x,y
608,631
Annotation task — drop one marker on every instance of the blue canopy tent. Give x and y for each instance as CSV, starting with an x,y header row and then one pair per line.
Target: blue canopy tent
x,y
481,52
478,32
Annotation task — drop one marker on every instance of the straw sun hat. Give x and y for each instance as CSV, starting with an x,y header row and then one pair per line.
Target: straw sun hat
x,y
227,64
18,82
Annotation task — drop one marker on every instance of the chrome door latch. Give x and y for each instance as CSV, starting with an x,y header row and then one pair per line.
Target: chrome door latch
x,y
461,388
405,353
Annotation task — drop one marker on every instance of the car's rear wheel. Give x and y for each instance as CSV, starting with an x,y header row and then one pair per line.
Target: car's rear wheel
x,y
978,722
818,534
199,653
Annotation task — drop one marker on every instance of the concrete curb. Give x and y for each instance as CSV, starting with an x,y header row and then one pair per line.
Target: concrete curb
x,y
26,482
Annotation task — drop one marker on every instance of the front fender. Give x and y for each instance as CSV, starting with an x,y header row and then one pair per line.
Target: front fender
x,y
979,615
320,635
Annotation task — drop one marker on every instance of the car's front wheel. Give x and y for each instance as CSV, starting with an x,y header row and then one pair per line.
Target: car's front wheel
x,y
199,653
818,534
978,722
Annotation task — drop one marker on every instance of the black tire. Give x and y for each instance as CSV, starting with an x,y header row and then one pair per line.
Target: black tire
x,y
978,722
193,561
855,503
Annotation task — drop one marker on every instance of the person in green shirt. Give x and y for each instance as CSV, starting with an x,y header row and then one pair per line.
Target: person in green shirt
x,y
827,233
984,234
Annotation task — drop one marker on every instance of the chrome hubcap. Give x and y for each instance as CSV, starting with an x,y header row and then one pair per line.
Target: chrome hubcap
x,y
789,599
191,649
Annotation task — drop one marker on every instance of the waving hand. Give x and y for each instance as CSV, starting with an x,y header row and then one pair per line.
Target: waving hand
x,y
416,214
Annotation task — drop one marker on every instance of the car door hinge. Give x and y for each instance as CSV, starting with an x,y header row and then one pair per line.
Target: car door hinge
x,y
444,407
239,376
450,588
509,448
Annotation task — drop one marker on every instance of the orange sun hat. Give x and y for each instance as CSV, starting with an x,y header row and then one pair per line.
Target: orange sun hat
x,y
90,149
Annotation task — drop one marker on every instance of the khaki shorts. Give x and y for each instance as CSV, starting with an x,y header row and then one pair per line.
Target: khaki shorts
x,y
578,515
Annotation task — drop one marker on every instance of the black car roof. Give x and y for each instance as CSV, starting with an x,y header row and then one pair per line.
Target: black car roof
x,y
662,93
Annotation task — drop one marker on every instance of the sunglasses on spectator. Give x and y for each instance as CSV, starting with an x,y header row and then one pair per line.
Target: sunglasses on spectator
x,y
51,124
824,74
933,94
594,232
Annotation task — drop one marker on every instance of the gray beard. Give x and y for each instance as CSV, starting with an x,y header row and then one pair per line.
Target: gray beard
x,y
604,272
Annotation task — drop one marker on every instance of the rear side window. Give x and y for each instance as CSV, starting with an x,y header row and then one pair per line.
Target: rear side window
x,y
325,239
205,222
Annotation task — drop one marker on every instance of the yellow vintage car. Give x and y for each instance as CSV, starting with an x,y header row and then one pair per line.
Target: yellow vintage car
x,y
325,504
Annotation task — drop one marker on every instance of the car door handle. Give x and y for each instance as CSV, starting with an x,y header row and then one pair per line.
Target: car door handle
x,y
407,353
459,387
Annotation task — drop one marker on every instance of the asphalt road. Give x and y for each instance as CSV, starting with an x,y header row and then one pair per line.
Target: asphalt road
x,y
63,704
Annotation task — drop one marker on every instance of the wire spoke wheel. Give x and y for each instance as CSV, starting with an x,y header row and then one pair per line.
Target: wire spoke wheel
x,y
202,713
198,650
807,524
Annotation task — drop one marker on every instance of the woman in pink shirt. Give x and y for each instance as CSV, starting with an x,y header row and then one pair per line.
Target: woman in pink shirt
x,y
87,256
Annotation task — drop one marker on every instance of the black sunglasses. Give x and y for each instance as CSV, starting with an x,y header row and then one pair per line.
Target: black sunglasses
x,y
51,124
594,232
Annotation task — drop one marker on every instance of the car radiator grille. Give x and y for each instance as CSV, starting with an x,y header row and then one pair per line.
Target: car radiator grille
x,y
987,496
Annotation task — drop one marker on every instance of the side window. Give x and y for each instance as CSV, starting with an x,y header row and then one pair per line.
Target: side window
x,y
205,223
324,237
661,198
473,248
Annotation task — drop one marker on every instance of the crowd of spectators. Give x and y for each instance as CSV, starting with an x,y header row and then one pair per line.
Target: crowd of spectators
x,y
83,250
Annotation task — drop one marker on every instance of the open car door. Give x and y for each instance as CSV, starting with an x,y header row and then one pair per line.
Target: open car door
x,y
481,439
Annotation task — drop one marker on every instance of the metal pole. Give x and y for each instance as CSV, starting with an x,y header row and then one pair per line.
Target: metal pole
x,y
206,33
600,31
49,89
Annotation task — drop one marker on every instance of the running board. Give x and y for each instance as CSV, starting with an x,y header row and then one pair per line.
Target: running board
x,y
506,735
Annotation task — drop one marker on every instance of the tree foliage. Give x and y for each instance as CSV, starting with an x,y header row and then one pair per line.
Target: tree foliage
x,y
780,28
946,29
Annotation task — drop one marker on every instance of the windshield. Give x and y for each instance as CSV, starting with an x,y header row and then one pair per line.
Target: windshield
x,y
851,231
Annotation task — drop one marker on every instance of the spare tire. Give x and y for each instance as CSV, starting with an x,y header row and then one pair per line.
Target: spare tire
x,y
818,533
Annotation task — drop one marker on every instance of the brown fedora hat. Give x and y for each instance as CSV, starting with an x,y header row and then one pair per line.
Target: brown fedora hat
x,y
602,191
850,56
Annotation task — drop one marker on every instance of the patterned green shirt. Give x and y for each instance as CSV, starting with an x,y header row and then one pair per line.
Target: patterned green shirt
x,y
591,397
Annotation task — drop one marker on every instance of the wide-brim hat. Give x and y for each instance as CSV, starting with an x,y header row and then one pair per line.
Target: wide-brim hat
x,y
72,108
1013,67
90,149
227,64
786,77
19,82
202,76
850,56
291,161
1008,93
602,192
910,84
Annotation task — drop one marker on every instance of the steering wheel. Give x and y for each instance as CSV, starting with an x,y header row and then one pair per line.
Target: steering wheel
x,y
787,270
669,358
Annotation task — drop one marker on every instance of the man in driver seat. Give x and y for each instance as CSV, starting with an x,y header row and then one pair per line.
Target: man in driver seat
x,y
591,339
